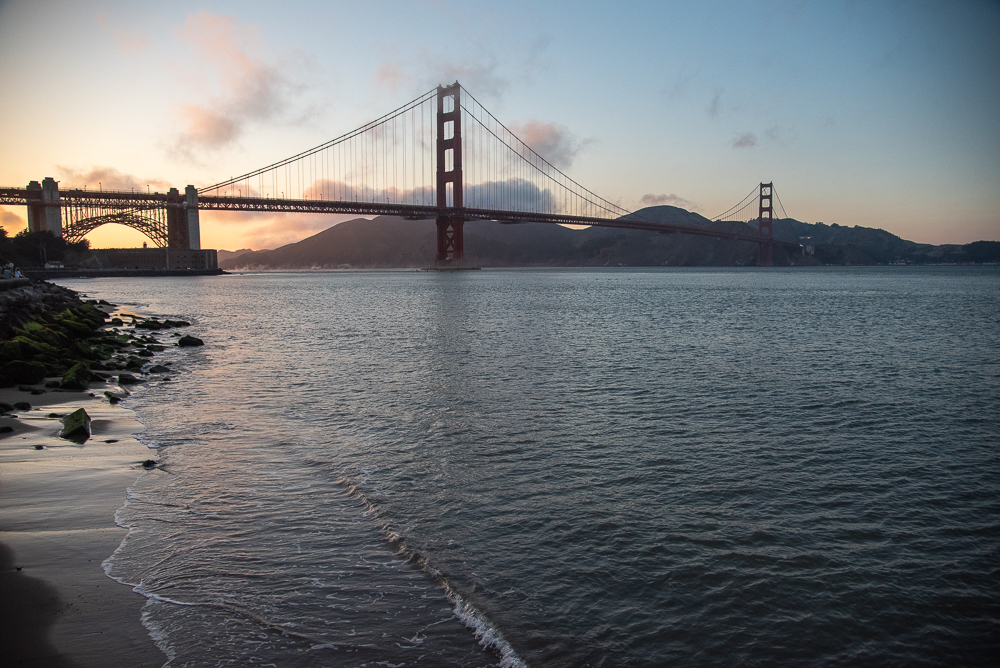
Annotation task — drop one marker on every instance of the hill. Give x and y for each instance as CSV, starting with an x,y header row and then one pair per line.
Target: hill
x,y
386,242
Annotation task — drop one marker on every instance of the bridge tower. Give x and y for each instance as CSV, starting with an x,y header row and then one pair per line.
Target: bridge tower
x,y
450,228
764,220
46,214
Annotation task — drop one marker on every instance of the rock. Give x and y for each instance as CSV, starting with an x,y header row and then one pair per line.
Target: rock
x,y
52,383
22,372
55,415
37,447
127,379
117,322
6,429
76,378
76,426
22,406
5,407
113,397
190,341
149,463
143,353
176,323
37,391
134,364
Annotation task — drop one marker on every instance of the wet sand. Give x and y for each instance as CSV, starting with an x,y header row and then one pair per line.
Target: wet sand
x,y
57,526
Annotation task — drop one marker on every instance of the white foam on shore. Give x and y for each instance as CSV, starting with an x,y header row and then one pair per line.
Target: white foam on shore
x,y
487,634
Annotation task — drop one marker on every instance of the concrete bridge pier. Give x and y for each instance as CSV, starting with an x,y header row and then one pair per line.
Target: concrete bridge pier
x,y
193,226
183,230
47,214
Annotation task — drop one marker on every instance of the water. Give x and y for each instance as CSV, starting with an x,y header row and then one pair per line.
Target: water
x,y
572,468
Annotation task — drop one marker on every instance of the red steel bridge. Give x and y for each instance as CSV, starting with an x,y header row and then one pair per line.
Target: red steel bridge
x,y
441,156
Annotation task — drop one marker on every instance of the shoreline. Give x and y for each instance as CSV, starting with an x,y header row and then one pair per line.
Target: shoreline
x,y
58,607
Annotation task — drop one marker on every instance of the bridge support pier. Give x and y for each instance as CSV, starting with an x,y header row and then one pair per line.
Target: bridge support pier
x,y
46,215
193,225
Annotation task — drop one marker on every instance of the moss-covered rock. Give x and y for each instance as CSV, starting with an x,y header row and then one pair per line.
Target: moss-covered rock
x,y
76,426
77,377
22,372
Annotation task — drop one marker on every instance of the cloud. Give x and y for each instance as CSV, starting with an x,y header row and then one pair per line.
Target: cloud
x,y
128,42
107,178
553,142
390,76
715,106
248,90
681,85
747,140
673,200
232,229
10,220
481,79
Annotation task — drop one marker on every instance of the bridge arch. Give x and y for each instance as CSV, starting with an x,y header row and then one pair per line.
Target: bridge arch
x,y
151,226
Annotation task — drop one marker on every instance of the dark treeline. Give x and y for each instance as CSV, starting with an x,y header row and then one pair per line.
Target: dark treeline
x,y
34,249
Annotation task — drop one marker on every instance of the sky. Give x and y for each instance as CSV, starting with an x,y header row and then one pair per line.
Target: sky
x,y
881,113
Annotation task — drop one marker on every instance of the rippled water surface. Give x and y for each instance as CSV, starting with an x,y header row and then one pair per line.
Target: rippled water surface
x,y
572,468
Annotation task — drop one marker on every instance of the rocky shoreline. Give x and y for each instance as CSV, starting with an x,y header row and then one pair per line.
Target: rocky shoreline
x,y
64,474
51,340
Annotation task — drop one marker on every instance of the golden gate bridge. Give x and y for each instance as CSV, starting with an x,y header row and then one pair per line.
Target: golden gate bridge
x,y
441,156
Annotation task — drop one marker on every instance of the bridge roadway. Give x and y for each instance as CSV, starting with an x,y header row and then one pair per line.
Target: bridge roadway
x,y
122,199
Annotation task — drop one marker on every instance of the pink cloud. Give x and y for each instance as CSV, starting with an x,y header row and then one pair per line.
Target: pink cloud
x,y
553,142
248,89
128,41
390,76
107,178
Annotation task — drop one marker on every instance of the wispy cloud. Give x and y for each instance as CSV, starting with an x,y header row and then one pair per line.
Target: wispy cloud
x,y
232,230
671,199
390,76
746,140
481,78
553,142
129,42
715,106
247,88
11,221
107,178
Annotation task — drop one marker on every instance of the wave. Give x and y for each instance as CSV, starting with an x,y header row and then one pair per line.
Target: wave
x,y
485,631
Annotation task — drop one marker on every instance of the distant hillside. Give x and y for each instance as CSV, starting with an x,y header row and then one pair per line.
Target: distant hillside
x,y
386,242
229,255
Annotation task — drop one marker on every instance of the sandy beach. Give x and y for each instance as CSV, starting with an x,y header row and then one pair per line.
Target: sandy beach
x,y
57,526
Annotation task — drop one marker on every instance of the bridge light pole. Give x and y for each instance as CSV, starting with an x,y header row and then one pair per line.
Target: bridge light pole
x,y
450,228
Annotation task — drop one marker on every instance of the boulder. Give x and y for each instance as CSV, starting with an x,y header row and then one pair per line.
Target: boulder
x,y
22,405
190,341
76,426
114,398
76,378
127,379
5,407
21,372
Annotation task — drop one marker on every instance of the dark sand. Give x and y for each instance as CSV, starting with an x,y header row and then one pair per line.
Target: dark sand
x,y
57,508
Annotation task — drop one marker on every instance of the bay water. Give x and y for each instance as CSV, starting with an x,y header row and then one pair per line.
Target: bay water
x,y
568,467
